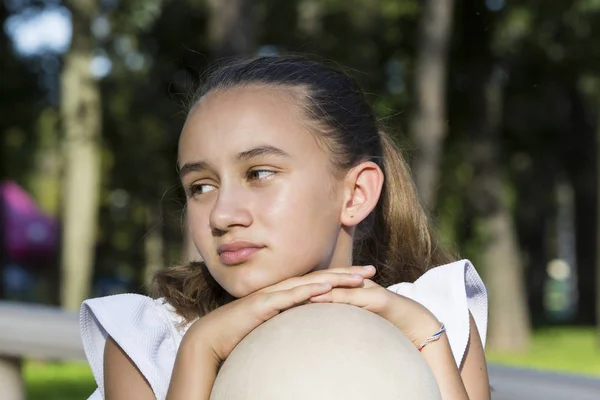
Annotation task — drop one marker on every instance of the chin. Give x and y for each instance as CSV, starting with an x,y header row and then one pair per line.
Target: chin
x,y
246,280
240,285
242,289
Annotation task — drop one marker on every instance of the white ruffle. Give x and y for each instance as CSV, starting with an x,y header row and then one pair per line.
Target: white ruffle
x,y
147,330
150,331
450,292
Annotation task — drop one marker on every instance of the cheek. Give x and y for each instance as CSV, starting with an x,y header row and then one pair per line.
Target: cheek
x,y
198,225
300,205
304,222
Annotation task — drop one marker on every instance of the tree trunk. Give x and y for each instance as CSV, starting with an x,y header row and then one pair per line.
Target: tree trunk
x,y
45,176
509,325
81,118
428,125
598,227
232,28
45,184
580,161
532,217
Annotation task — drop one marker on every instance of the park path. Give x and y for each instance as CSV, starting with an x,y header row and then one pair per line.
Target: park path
x,y
511,383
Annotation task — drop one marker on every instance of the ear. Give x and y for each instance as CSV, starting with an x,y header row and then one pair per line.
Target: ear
x,y
362,189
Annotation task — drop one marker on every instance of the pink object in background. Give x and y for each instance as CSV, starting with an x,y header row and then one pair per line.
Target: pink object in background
x,y
30,235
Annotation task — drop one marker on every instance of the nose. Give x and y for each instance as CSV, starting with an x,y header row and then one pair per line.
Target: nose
x,y
230,210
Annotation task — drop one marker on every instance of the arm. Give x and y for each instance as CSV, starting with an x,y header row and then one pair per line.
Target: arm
x,y
199,353
418,323
122,379
194,372
438,356
472,381
474,369
213,337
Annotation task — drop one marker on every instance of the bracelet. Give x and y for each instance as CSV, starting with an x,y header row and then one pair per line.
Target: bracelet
x,y
433,338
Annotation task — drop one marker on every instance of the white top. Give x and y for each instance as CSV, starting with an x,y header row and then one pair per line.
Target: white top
x,y
150,331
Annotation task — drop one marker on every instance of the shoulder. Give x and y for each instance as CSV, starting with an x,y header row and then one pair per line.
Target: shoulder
x,y
452,292
148,330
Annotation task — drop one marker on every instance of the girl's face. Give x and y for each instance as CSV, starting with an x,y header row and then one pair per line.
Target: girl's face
x,y
262,202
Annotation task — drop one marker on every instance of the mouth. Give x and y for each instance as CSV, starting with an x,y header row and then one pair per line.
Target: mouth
x,y
234,253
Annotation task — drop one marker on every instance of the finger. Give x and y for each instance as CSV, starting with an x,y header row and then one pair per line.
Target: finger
x,y
372,299
285,299
368,284
367,271
336,279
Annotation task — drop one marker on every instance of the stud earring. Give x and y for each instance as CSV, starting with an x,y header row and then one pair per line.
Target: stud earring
x,y
351,215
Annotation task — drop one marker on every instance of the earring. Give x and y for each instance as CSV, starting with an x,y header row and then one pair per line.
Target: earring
x,y
351,215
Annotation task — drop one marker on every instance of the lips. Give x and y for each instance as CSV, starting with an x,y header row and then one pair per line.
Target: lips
x,y
234,253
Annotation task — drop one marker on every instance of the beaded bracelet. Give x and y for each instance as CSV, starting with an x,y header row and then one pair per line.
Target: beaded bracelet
x,y
433,338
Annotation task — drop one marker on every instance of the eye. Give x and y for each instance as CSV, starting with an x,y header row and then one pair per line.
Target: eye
x,y
201,188
258,174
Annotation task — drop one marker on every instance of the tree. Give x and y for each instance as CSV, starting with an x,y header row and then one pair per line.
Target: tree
x,y
428,125
16,115
598,225
499,251
81,119
232,28
499,254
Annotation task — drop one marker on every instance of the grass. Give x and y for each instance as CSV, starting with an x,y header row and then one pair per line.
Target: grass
x,y
565,349
58,381
569,350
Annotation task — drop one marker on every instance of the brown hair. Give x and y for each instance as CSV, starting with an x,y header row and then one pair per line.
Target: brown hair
x,y
396,237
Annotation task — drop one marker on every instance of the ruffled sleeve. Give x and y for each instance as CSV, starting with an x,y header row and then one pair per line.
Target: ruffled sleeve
x,y
146,329
450,291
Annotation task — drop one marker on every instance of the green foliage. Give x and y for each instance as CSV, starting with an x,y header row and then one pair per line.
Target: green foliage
x,y
546,55
137,16
515,27
19,106
587,6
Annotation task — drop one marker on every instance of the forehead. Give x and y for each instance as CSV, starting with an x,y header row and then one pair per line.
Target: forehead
x,y
226,122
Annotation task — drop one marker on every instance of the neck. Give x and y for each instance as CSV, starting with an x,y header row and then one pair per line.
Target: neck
x,y
342,255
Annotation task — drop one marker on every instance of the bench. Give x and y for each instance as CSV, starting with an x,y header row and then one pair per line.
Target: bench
x,y
38,332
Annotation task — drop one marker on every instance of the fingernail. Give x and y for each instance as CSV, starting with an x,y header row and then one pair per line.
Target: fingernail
x,y
326,285
369,267
358,275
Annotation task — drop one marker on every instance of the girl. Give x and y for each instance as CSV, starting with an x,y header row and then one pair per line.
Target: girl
x,y
289,184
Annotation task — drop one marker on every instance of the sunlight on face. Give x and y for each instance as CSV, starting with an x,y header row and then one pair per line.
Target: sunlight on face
x,y
262,204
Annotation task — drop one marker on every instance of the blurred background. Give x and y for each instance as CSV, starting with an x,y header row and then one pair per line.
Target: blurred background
x,y
496,104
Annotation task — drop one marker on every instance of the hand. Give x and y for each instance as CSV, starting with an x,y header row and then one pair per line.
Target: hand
x,y
413,319
222,329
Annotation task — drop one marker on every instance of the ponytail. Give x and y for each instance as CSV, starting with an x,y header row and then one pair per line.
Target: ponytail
x,y
398,237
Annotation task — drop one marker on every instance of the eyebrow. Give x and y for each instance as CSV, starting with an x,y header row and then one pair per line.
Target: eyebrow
x,y
259,151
